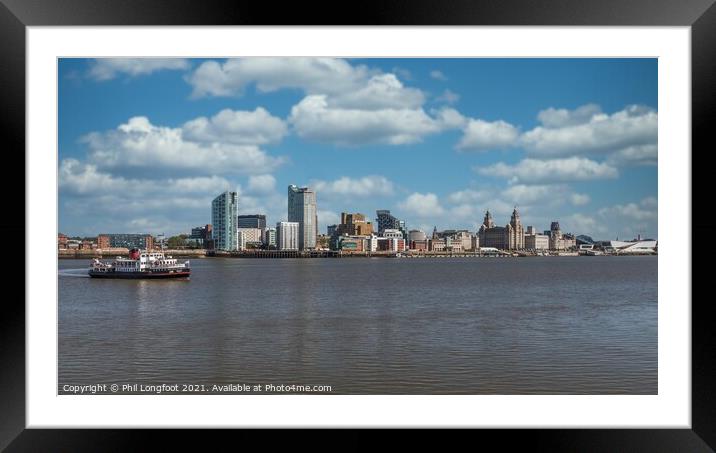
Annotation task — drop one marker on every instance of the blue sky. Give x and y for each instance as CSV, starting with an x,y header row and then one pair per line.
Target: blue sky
x,y
145,144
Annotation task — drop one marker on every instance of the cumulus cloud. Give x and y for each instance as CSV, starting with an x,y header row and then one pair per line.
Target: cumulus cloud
x,y
437,75
579,199
582,224
344,85
523,193
556,118
80,178
140,144
313,75
262,183
109,68
448,97
313,119
422,205
645,210
239,127
481,135
359,187
469,196
344,104
587,131
553,170
635,155
118,203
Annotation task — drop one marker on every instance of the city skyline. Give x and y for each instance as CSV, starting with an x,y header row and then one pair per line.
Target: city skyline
x,y
145,145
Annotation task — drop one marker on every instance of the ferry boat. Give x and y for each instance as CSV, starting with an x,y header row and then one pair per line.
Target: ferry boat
x,y
141,264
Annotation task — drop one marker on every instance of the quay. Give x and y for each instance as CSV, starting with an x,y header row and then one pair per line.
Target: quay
x,y
260,253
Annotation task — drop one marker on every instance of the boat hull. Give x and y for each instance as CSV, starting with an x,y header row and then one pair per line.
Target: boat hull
x,y
146,275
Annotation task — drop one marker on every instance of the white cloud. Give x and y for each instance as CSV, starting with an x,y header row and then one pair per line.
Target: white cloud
x,y
645,210
344,104
437,75
383,91
262,183
313,119
628,220
422,205
109,68
635,155
580,199
239,127
448,97
582,224
141,145
481,135
588,131
312,75
79,178
522,193
469,196
555,170
343,84
359,187
650,202
556,118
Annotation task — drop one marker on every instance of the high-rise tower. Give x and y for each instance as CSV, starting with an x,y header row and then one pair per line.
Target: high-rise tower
x,y
302,209
224,210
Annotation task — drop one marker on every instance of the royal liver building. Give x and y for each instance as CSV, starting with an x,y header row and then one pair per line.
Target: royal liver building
x,y
510,237
515,232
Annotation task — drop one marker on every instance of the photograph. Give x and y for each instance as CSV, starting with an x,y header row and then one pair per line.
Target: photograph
x,y
331,225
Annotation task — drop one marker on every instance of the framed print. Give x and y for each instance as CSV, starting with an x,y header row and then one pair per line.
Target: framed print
x,y
236,219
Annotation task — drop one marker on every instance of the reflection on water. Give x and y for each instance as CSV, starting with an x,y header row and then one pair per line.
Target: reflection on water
x,y
467,326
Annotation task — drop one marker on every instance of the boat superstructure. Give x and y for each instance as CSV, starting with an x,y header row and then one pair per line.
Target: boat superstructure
x,y
141,264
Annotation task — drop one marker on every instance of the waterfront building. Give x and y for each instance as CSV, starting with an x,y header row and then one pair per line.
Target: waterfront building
x,y
536,241
475,239
224,212
436,245
253,236
392,233
416,235
332,230
371,243
269,237
354,225
465,238
492,235
287,235
252,221
302,210
515,232
61,241
351,243
391,244
129,241
201,235
386,221
453,245
559,241
419,245
240,239
323,242
509,237
634,247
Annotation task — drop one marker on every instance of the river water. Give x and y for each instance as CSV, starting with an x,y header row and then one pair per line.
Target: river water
x,y
538,325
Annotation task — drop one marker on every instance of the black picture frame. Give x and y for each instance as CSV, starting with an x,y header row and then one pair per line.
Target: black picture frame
x,y
700,15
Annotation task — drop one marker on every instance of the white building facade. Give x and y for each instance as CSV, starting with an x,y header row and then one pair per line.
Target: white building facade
x,y
287,235
302,210
224,211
